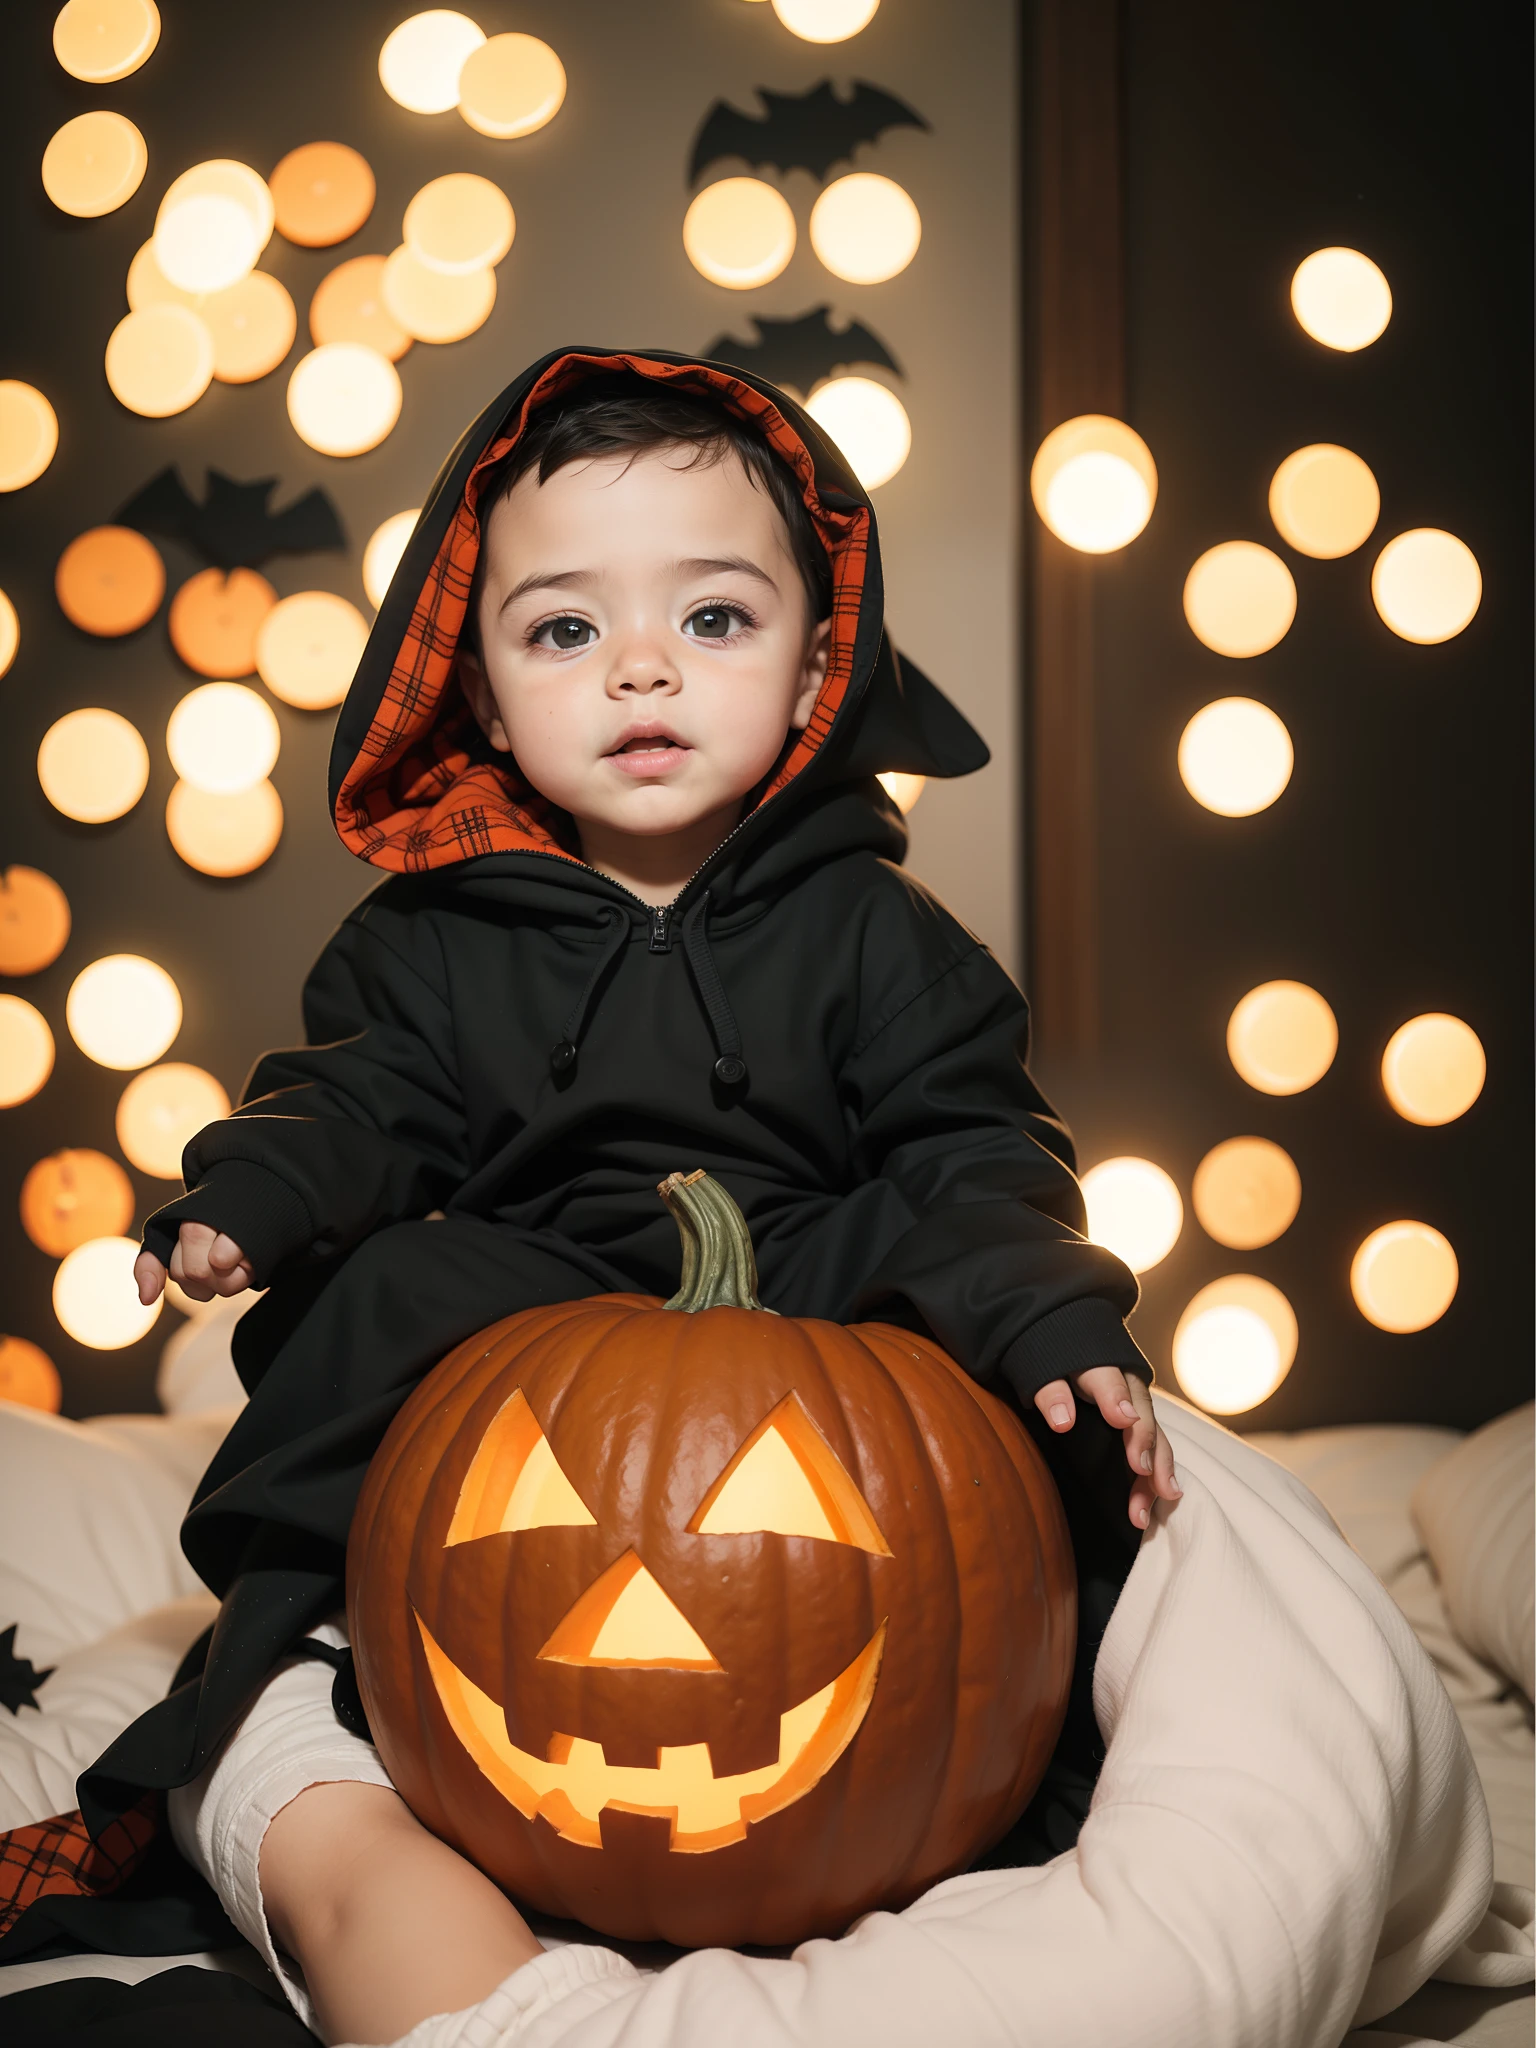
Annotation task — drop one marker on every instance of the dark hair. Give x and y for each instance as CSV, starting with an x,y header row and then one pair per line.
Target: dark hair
x,y
625,412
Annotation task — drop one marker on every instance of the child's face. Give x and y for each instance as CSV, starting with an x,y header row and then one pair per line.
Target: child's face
x,y
644,640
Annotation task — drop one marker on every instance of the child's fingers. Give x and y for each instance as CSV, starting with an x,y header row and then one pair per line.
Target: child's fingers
x,y
1105,1386
1164,1477
235,1281
1140,1509
1056,1404
149,1277
189,1261
224,1254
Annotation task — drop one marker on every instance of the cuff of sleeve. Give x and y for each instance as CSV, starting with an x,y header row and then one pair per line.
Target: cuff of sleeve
x,y
248,1203
1070,1340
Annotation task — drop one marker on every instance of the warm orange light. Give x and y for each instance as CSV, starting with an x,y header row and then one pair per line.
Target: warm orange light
x,y
825,21
223,737
10,632
1404,1277
34,920
1134,1210
865,228
1246,1192
160,361
739,232
322,192
95,1298
1234,1343
786,1480
73,1196
123,1011
26,1051
29,1377
212,224
214,619
903,790
420,63
224,835
510,85
109,581
1427,586
344,399
349,306
92,765
459,224
308,648
1433,1068
1324,501
101,41
1094,483
382,555
1235,757
627,1621
29,434
1341,298
161,1111
1282,1037
253,324
430,305
1239,599
94,164
869,424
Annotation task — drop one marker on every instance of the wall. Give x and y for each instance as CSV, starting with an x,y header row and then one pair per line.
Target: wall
x,y
599,196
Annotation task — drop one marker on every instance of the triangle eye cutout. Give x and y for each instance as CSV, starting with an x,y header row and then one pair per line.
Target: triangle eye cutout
x,y
626,1620
786,1480
513,1482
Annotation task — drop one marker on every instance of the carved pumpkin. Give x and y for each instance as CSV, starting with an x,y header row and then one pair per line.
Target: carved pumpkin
x,y
697,1623
71,1197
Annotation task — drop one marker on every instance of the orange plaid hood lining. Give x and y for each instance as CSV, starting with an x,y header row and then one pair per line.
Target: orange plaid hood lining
x,y
420,792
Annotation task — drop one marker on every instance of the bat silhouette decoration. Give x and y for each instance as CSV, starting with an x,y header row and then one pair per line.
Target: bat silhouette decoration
x,y
19,1679
801,131
233,528
801,352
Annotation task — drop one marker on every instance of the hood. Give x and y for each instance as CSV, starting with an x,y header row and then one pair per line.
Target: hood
x,y
414,784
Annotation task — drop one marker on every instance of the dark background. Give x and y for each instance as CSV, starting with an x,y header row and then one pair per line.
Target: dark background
x,y
1393,874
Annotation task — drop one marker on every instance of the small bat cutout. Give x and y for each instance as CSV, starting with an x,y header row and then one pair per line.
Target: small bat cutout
x,y
800,353
801,131
19,1680
232,528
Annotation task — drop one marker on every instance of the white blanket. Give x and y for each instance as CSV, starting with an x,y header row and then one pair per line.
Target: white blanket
x,y
1288,1836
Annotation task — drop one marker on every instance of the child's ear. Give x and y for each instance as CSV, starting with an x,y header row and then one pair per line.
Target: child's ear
x,y
812,675
482,700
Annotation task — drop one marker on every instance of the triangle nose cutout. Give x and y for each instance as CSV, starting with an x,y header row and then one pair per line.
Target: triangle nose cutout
x,y
627,1620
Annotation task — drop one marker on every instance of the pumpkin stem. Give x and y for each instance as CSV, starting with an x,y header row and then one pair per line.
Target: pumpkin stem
x,y
719,1270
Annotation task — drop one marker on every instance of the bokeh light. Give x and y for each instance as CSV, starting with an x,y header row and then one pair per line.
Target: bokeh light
x,y
308,648
1433,1068
1239,598
865,228
510,85
1426,585
1134,1210
381,557
322,192
459,223
1341,298
34,920
1324,501
343,399
212,224
1282,1037
29,433
94,164
222,738
95,1298
903,790
224,835
1246,1192
26,1051
214,619
92,765
432,306
825,21
148,285
161,1111
1404,1276
1094,483
421,60
1235,757
348,305
252,324
739,232
159,360
29,1377
101,41
109,581
869,424
123,1011
73,1196
10,632
1234,1343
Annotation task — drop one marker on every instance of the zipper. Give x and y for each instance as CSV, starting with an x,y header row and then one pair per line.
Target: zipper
x,y
661,938
658,915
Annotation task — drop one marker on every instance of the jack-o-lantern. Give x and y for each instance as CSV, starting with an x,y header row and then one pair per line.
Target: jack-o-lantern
x,y
702,1624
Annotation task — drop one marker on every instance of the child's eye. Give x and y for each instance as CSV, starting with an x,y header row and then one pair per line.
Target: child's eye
x,y
564,634
715,621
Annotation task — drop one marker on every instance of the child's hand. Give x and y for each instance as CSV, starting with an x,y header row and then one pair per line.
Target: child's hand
x,y
1126,1405
205,1263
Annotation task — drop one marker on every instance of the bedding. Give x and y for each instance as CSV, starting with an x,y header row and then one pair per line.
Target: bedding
x,y
1288,1835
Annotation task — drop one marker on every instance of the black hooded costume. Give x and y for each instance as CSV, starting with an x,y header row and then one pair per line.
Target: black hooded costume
x,y
501,1034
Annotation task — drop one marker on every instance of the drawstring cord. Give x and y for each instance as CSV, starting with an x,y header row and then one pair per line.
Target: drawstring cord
x,y
730,1068
562,1055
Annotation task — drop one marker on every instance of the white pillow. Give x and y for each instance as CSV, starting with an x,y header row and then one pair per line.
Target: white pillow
x,y
196,1369
1474,1510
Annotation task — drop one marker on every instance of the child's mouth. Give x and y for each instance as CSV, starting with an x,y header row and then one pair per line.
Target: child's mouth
x,y
650,754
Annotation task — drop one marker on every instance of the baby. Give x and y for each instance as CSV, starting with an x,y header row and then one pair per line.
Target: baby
x,y
614,739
